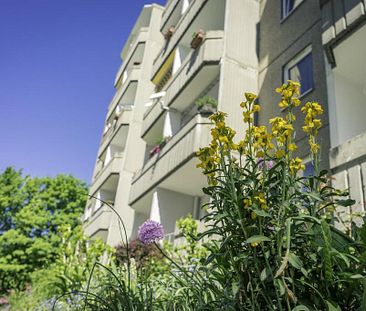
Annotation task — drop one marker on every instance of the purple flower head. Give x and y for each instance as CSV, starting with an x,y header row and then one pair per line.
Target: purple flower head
x,y
261,163
151,231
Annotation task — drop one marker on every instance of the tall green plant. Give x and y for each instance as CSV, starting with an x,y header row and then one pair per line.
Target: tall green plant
x,y
274,245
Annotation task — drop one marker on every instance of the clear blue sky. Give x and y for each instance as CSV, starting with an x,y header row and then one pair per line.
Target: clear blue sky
x,y
58,59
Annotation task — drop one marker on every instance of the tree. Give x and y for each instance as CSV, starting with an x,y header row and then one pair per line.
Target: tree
x,y
31,212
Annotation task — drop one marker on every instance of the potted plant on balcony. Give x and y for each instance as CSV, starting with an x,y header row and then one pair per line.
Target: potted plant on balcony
x,y
169,32
197,39
160,144
206,105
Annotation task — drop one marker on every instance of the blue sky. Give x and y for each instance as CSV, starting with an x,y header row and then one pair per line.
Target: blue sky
x,y
58,59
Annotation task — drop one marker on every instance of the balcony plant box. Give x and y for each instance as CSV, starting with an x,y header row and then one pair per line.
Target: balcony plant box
x,y
206,105
197,39
168,34
159,146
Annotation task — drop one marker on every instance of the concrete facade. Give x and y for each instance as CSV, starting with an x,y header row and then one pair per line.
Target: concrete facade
x,y
146,165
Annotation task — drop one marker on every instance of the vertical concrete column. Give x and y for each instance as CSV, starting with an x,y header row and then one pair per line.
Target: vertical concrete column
x,y
185,6
154,211
171,123
239,64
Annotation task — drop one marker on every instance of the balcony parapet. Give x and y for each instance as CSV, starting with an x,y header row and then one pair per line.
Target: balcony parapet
x,y
98,221
169,8
179,150
180,29
114,166
140,38
348,166
123,120
209,52
348,153
339,17
133,76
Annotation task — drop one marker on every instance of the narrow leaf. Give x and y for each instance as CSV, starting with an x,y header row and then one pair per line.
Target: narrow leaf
x,y
258,239
295,261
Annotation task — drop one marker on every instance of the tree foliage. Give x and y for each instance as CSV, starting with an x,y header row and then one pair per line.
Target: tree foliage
x,y
31,212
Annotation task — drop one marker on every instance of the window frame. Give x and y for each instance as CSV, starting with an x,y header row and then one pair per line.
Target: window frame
x,y
293,62
285,14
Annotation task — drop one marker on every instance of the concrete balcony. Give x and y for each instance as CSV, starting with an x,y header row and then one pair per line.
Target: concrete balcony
x,y
180,30
130,83
339,17
113,167
169,168
122,123
139,39
198,69
97,224
348,165
168,11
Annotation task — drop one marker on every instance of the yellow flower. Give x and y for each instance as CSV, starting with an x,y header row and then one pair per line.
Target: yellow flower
x,y
256,108
247,202
254,244
296,165
250,96
253,216
292,147
279,153
283,104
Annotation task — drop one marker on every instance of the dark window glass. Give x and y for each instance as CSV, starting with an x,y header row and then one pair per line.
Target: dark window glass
x,y
288,6
303,72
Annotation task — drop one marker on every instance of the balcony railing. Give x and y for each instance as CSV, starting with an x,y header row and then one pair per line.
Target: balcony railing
x,y
98,221
101,165
209,52
169,8
141,37
123,120
340,16
177,151
348,165
133,76
180,29
114,166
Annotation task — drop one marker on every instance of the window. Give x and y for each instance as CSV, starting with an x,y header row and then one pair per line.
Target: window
x,y
288,6
300,69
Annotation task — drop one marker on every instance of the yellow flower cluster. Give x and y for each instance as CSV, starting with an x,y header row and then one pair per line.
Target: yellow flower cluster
x,y
259,200
283,131
296,165
289,93
222,135
221,145
262,140
249,107
312,124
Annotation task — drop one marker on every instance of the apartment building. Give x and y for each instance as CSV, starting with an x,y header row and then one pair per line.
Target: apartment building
x,y
190,50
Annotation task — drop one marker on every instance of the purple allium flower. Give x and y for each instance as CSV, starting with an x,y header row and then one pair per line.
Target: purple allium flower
x,y
150,231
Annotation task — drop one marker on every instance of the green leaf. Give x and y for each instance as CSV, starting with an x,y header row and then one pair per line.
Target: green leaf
x,y
257,239
357,276
261,213
283,265
301,308
332,306
264,274
281,286
345,203
295,261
